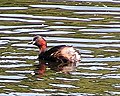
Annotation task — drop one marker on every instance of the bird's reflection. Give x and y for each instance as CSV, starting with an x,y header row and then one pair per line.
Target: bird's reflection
x,y
57,67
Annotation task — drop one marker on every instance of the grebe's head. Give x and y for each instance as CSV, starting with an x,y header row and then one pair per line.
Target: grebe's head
x,y
38,41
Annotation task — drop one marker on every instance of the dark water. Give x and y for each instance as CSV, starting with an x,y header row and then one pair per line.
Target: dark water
x,y
92,26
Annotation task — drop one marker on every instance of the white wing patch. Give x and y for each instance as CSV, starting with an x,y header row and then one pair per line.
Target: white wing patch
x,y
71,54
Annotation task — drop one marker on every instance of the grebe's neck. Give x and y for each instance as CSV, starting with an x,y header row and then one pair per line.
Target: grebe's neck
x,y
42,48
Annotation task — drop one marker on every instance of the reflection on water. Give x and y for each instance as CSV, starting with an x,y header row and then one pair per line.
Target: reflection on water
x,y
23,26
12,77
59,67
21,20
39,17
98,13
114,1
92,26
13,65
46,94
13,8
3,42
63,86
101,30
83,8
113,93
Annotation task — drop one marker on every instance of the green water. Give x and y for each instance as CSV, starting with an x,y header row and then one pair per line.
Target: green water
x,y
98,72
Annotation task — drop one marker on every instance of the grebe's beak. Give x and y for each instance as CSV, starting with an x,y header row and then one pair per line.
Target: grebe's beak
x,y
31,42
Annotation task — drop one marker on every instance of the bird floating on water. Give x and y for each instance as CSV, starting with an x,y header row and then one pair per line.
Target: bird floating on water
x,y
60,53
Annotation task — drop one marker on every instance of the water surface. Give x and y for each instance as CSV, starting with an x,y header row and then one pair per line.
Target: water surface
x,y
92,26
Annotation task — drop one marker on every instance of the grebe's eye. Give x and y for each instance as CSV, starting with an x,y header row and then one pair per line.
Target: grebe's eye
x,y
36,37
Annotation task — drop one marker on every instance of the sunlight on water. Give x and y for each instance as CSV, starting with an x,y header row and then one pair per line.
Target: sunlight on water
x,y
78,7
117,85
30,30
18,57
21,20
43,94
52,32
3,42
108,25
12,77
63,86
113,93
40,17
64,27
91,26
97,68
23,72
17,38
113,76
13,8
9,81
64,39
100,59
101,30
23,26
14,65
66,79
98,13
114,1
11,61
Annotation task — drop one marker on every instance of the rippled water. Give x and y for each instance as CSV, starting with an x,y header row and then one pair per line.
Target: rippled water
x,y
92,26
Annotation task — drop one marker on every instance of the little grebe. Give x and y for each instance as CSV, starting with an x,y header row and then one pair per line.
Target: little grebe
x,y
61,53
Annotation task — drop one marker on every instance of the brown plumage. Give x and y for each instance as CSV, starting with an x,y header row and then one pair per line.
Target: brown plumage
x,y
61,53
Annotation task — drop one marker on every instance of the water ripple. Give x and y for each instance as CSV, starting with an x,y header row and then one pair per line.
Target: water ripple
x,y
12,77
22,45
101,30
17,38
113,1
15,65
96,30
86,45
13,8
99,13
64,27
78,7
11,61
66,79
113,93
4,42
112,76
117,59
22,26
67,39
30,30
43,17
116,85
82,40
92,64
23,72
63,85
45,94
97,68
108,25
27,94
9,81
53,32
18,57
22,20
85,74
96,18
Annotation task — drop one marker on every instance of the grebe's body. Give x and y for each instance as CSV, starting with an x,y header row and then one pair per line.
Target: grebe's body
x,y
61,53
